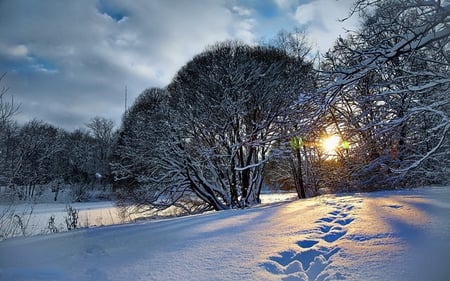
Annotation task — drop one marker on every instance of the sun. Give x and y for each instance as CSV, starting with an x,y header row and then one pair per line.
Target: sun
x,y
330,144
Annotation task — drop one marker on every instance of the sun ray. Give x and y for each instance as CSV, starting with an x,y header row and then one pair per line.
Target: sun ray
x,y
330,144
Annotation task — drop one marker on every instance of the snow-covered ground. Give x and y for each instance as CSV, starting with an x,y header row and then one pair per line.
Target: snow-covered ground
x,y
391,235
36,216
90,214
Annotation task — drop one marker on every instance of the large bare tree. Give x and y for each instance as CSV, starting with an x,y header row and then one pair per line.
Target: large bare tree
x,y
230,102
387,88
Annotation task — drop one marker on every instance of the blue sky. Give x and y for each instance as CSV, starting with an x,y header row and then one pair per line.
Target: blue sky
x,y
68,61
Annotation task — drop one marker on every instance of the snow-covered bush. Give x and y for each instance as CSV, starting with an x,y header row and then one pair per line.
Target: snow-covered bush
x,y
72,218
51,226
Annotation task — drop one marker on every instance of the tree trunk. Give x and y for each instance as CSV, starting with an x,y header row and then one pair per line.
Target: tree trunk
x,y
298,178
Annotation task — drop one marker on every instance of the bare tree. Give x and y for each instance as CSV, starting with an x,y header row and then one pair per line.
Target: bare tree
x,y
102,130
387,88
7,108
230,103
37,145
8,133
294,43
147,170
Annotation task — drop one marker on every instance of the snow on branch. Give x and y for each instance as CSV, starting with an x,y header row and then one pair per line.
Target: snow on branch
x,y
427,155
255,165
372,58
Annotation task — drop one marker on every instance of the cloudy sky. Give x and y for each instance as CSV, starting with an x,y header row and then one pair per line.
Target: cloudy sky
x,y
68,61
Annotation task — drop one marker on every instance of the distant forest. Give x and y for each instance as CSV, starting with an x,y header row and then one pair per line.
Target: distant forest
x,y
238,118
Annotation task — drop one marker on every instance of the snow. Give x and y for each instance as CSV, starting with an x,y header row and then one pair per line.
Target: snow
x,y
90,214
390,235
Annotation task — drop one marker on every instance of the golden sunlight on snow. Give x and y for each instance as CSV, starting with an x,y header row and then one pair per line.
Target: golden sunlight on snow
x,y
380,232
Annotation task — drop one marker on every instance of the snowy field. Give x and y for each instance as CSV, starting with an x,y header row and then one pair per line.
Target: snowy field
x,y
391,235
90,214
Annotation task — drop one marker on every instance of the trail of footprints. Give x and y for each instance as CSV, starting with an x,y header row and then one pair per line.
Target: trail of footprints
x,y
313,257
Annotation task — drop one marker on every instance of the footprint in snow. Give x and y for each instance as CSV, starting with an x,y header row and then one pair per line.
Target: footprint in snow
x,y
307,243
311,261
325,228
334,235
393,206
344,222
327,219
95,250
334,213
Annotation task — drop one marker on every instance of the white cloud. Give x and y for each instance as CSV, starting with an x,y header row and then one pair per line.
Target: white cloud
x,y
241,11
285,4
321,19
307,13
72,59
96,52
18,51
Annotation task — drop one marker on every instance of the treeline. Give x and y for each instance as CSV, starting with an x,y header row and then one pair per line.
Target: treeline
x,y
38,154
237,117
